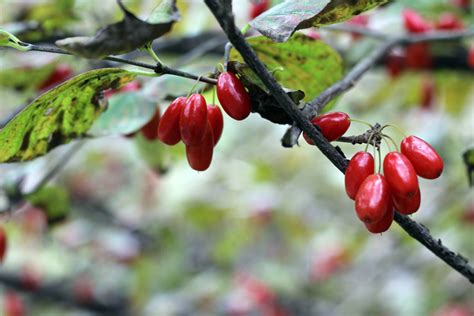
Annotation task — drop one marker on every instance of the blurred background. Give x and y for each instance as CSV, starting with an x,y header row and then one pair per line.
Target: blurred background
x,y
127,227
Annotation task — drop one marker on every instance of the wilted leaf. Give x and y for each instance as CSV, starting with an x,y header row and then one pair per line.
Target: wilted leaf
x,y
59,115
281,21
299,64
122,37
126,113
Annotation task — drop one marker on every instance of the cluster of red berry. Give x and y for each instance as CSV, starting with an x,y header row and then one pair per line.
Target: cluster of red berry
x,y
376,195
199,125
418,55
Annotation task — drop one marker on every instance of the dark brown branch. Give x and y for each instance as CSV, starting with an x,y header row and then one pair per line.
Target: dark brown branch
x,y
223,13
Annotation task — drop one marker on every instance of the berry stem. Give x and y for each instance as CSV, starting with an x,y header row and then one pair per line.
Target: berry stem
x,y
193,87
388,144
396,127
362,122
391,139
368,142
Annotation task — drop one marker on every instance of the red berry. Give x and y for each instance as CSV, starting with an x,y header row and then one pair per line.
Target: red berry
x,y
382,225
396,63
360,167
424,158
332,125
258,8
59,75
214,115
200,156
12,305
3,243
448,21
414,22
427,92
30,278
400,175
360,21
168,129
150,130
233,97
193,120
373,199
419,56
470,57
131,86
409,205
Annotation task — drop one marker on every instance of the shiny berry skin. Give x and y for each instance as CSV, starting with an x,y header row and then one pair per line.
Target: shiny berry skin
x,y
382,225
424,158
150,129
407,206
215,118
400,175
233,97
3,243
373,199
360,167
258,8
414,22
168,129
12,305
200,156
193,120
58,76
332,125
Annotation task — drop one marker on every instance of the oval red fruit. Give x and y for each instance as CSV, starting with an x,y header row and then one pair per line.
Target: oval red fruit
x,y
409,205
168,129
12,305
424,158
193,120
258,7
470,57
360,167
449,21
382,225
414,22
150,129
332,125
233,97
215,118
3,243
373,199
200,156
58,76
400,175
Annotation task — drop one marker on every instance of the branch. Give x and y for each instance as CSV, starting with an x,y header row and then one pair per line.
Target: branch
x,y
223,14
159,68
58,292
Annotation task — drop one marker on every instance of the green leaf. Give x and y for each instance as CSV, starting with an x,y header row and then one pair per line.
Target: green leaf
x,y
300,63
59,115
10,40
281,21
126,113
53,200
127,35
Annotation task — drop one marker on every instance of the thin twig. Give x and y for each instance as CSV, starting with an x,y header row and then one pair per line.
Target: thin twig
x,y
159,69
223,14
